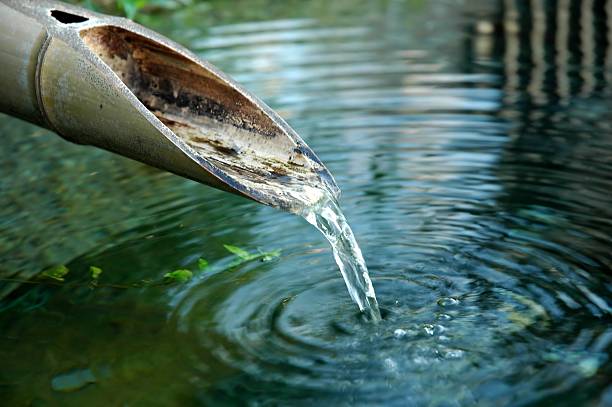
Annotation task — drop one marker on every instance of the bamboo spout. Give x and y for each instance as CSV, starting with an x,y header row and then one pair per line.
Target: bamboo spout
x,y
108,82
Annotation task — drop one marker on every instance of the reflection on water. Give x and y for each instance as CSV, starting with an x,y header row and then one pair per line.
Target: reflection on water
x,y
472,142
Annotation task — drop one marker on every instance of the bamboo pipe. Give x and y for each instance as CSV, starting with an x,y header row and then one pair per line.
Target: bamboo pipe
x,y
108,82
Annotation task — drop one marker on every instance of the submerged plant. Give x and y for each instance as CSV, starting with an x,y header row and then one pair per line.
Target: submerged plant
x,y
241,253
56,273
95,272
244,256
178,276
202,264
94,275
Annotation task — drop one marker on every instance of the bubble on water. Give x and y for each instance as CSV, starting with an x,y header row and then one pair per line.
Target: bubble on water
x,y
420,360
433,329
443,338
448,302
391,365
444,317
588,367
448,353
399,333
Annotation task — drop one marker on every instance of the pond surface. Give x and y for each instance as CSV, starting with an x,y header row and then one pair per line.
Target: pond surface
x,y
473,145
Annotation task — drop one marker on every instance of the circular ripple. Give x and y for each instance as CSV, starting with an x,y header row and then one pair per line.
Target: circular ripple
x,y
442,331
476,179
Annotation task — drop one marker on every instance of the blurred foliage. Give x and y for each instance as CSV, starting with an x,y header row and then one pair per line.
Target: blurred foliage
x,y
132,8
56,273
210,12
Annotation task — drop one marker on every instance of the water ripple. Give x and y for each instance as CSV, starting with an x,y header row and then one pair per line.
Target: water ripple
x,y
474,160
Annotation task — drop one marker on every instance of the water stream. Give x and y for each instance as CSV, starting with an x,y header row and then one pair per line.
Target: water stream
x,y
303,194
328,218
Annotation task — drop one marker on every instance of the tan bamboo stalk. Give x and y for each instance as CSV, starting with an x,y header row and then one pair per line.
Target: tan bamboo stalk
x,y
108,82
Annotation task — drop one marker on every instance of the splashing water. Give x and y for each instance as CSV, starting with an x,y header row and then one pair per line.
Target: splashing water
x,y
329,219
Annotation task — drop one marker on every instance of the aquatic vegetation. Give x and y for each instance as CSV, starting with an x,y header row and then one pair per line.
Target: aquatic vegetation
x,y
243,256
56,273
94,275
95,272
202,264
178,276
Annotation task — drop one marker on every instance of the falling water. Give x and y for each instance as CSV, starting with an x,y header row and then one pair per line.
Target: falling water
x,y
306,195
329,219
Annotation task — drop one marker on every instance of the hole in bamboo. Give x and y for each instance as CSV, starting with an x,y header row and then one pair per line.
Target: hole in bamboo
x,y
67,18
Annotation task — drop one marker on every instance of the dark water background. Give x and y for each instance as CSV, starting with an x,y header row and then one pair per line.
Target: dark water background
x,y
473,144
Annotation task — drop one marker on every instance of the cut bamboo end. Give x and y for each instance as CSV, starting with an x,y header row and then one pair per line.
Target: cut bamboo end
x,y
108,82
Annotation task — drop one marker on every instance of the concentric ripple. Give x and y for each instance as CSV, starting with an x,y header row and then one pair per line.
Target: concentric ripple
x,y
472,142
478,223
445,333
